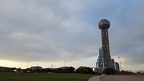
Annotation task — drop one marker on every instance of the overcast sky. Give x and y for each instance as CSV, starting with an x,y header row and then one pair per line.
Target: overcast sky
x,y
54,33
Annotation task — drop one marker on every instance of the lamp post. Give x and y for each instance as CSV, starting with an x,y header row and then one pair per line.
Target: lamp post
x,y
27,63
120,63
64,63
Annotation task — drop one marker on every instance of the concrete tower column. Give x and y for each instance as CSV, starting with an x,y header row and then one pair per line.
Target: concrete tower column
x,y
104,26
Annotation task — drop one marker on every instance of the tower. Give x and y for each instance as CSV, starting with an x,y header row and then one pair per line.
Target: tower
x,y
104,25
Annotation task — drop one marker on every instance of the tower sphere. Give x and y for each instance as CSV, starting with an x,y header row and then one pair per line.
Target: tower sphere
x,y
104,24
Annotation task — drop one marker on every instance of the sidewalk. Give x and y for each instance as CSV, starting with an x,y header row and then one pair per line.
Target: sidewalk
x,y
96,78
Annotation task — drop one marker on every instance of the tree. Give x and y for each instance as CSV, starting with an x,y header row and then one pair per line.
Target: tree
x,y
109,71
85,70
67,69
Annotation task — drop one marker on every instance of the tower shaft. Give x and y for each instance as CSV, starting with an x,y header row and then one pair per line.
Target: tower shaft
x,y
105,46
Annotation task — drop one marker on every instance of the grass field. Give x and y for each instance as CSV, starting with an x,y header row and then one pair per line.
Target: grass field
x,y
43,77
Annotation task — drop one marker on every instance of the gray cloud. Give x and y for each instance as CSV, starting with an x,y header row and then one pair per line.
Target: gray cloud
x,y
67,29
127,33
40,31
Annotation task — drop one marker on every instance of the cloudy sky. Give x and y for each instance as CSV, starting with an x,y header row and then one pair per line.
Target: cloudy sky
x,y
54,33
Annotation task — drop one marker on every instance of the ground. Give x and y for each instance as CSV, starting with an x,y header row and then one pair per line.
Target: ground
x,y
44,77
117,78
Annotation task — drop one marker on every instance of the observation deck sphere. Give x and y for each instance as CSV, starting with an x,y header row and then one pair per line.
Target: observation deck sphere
x,y
104,24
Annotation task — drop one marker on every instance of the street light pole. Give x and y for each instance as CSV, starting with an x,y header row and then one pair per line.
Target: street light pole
x,y
27,63
64,63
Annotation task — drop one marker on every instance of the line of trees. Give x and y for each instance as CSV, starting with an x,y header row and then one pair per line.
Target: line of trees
x,y
7,69
84,70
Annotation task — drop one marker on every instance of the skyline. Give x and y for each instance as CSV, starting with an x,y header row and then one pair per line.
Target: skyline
x,y
53,31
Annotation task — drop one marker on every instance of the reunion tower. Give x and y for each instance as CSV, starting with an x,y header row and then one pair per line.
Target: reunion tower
x,y
104,25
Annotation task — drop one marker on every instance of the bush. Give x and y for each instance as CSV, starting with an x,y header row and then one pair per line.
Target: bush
x,y
85,70
109,71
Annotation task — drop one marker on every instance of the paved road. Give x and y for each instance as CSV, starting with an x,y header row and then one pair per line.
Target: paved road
x,y
122,78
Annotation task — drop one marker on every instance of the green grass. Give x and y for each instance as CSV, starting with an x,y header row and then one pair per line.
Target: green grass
x,y
43,77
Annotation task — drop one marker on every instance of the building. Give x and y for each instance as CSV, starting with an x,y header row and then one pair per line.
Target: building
x,y
100,58
112,63
36,67
104,25
117,66
100,63
104,59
